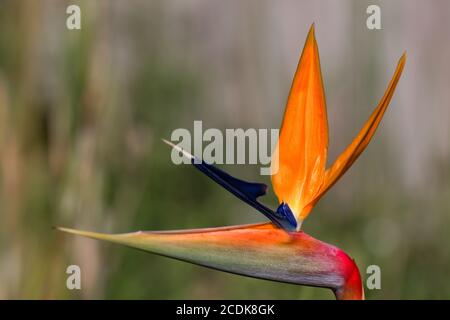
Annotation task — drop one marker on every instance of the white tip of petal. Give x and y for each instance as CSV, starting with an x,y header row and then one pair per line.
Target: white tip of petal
x,y
185,153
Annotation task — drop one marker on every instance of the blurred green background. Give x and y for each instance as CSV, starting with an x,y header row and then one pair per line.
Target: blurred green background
x,y
82,114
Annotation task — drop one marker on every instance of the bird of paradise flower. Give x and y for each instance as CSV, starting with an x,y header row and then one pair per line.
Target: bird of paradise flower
x,y
278,250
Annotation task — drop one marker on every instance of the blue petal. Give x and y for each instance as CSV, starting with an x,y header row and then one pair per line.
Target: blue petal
x,y
250,189
249,192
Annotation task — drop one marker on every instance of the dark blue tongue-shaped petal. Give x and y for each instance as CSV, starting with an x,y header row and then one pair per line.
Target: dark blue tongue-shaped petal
x,y
250,189
249,192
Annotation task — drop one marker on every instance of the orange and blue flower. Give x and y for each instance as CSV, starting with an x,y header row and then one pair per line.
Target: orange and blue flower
x,y
278,250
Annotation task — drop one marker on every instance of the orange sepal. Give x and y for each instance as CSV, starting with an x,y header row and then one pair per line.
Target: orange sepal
x,y
299,159
348,157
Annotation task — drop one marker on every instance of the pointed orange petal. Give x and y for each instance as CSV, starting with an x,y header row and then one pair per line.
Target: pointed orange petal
x,y
299,160
346,159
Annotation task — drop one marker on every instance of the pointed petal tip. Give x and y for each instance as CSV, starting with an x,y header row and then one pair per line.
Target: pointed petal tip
x,y
311,34
174,146
88,234
164,140
69,230
402,59
168,142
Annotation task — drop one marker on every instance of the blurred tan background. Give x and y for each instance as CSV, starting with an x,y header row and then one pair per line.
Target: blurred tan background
x,y
82,114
